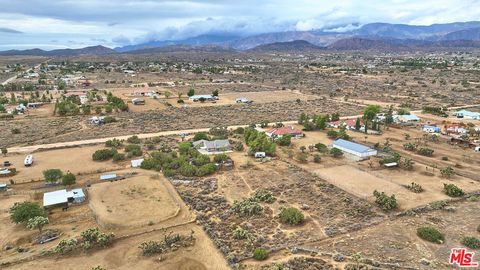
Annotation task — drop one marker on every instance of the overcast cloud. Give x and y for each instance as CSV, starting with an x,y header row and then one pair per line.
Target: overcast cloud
x,y
67,23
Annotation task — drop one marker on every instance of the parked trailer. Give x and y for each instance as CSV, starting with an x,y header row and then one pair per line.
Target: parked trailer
x,y
28,161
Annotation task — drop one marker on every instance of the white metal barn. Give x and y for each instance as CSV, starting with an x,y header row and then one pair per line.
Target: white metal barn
x,y
358,150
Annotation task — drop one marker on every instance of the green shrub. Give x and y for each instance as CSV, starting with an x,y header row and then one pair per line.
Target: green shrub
x,y
384,201
410,146
285,140
200,136
471,242
240,233
317,158
426,152
134,150
291,216
247,208
118,157
115,143
321,147
263,195
219,158
134,139
447,172
260,254
452,190
416,188
430,234
335,152
104,154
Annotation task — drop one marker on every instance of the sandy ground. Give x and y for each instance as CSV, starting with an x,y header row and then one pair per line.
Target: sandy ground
x,y
126,255
116,204
76,160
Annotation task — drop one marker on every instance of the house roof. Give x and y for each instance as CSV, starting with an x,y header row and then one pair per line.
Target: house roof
x,y
348,122
410,117
285,130
61,196
217,144
136,162
468,113
55,197
359,148
201,96
108,176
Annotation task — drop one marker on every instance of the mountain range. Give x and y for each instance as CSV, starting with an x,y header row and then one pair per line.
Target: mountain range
x,y
380,36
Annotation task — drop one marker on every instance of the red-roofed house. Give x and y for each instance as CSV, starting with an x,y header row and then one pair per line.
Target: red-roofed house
x,y
279,132
347,123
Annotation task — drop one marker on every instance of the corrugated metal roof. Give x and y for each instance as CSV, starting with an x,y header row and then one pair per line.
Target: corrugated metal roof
x,y
55,197
108,176
352,146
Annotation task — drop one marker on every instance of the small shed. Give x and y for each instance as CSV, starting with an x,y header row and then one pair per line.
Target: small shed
x,y
136,163
108,177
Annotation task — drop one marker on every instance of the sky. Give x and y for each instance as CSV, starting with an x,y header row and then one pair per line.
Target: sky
x,y
53,24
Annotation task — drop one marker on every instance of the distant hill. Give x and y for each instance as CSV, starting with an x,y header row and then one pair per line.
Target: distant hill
x,y
405,31
467,34
365,44
194,41
184,48
93,50
292,46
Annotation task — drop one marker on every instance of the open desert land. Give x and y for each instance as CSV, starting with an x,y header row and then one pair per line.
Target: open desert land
x,y
271,202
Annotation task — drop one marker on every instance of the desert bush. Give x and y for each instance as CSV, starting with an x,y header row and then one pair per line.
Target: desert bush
x,y
291,216
384,201
321,147
425,152
104,154
452,190
260,254
52,175
263,195
317,158
410,146
115,143
335,152
247,208
134,139
118,157
430,234
220,158
285,140
240,233
151,247
92,237
471,242
65,246
134,150
447,172
416,188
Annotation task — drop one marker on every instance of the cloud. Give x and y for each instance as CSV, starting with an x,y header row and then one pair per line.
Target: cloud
x,y
9,30
131,21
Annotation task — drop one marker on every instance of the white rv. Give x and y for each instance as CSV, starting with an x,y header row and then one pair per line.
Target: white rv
x,y
28,161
